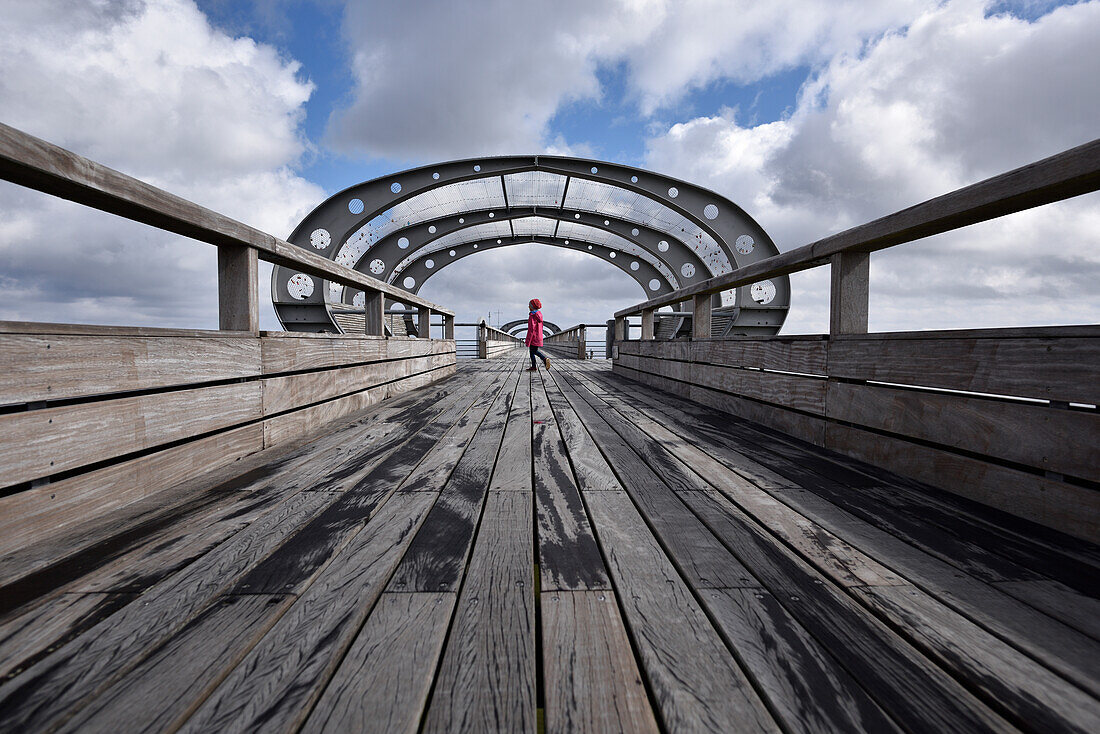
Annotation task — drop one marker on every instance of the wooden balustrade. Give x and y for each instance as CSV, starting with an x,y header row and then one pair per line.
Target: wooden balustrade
x,y
492,342
574,339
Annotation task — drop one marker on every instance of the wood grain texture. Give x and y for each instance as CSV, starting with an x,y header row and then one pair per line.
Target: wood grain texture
x,y
1002,362
160,692
487,679
275,685
513,467
39,443
568,556
61,367
1038,436
592,682
805,354
383,682
696,684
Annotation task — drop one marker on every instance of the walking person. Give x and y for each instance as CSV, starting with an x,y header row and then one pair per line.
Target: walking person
x,y
534,335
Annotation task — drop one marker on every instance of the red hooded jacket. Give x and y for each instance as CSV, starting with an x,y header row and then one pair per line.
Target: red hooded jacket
x,y
534,330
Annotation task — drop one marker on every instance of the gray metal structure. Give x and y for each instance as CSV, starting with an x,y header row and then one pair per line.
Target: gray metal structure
x,y
403,228
515,327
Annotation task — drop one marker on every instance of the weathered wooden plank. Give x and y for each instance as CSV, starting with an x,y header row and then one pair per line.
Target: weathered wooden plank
x,y
513,467
35,515
806,427
436,560
161,691
93,660
803,683
696,684
568,556
592,682
788,391
1047,438
1051,368
805,354
281,354
40,443
39,367
590,470
1080,611
276,684
1018,686
487,679
1066,507
383,682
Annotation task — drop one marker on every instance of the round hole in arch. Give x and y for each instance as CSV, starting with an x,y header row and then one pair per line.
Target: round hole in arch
x,y
395,187
429,263
744,244
451,253
673,192
567,242
360,300
492,214
431,229
377,266
634,265
498,242
634,232
576,216
409,282
320,239
763,292
595,170
687,270
461,220
300,286
403,242
435,176
477,168
590,247
612,255
475,246
710,211
356,206
607,222
662,246
654,285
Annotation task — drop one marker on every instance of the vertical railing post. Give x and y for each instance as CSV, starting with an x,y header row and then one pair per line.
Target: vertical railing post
x,y
374,313
238,288
647,323
850,278
482,338
620,329
700,316
424,323
448,326
581,338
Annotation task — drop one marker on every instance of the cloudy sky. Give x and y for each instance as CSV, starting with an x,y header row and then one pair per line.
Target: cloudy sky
x,y
813,115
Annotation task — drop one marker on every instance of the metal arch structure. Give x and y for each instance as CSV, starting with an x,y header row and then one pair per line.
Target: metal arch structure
x,y
325,230
652,282
515,327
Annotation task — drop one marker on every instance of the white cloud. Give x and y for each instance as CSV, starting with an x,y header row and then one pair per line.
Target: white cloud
x,y
954,98
442,79
149,88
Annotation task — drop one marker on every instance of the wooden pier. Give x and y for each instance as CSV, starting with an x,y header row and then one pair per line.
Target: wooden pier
x,y
503,548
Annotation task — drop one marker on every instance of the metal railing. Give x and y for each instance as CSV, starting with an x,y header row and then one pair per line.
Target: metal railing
x,y
1062,176
31,162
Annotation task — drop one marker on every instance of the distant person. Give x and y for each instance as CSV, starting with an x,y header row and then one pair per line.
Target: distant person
x,y
534,335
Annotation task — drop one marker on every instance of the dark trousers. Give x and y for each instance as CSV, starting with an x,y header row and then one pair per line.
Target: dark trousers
x,y
536,351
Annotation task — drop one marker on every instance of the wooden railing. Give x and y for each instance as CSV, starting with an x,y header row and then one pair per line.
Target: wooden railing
x,y
1005,417
492,342
1059,177
574,339
34,163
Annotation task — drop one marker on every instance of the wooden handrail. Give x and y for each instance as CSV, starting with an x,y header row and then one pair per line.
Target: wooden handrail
x,y
37,164
1062,176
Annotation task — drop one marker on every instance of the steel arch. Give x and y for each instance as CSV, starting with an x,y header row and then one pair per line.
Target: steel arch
x,y
514,327
332,222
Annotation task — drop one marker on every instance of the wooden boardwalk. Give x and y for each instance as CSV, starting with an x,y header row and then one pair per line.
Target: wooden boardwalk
x,y
502,550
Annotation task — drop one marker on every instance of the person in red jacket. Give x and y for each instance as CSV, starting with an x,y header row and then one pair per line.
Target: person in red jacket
x,y
534,335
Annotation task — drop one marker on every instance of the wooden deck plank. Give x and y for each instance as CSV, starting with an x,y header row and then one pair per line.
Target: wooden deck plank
x,y
696,684
592,682
436,560
65,679
487,679
513,466
568,556
383,682
275,685
869,651
164,687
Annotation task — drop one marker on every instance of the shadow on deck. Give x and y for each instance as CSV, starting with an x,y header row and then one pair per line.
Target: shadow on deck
x,y
502,546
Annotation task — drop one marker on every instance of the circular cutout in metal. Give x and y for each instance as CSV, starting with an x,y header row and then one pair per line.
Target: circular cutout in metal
x,y
377,266
744,244
300,286
763,292
320,239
